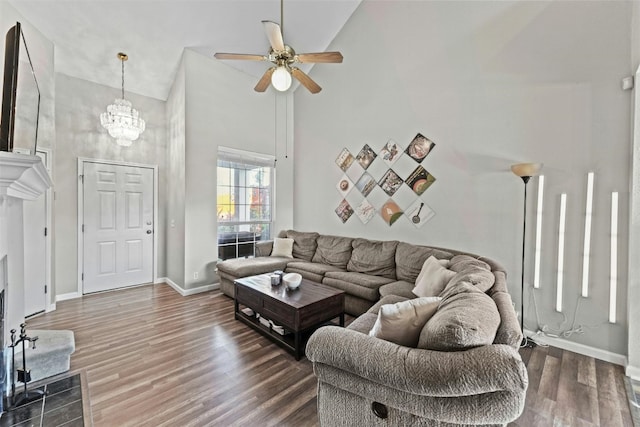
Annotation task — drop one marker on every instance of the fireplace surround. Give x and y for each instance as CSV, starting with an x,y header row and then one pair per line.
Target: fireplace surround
x,y
22,178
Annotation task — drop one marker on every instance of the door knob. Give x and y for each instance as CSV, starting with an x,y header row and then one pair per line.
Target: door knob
x,y
149,231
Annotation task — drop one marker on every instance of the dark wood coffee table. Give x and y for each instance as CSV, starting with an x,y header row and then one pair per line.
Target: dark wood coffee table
x,y
300,311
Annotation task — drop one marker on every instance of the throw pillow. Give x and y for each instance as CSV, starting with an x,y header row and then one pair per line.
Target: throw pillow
x,y
304,244
282,247
432,278
466,318
373,257
409,259
333,250
402,322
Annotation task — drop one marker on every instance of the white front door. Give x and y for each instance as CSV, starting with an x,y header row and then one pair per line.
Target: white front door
x,y
118,226
35,252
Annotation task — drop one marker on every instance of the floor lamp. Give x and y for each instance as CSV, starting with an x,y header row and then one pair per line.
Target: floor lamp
x,y
524,171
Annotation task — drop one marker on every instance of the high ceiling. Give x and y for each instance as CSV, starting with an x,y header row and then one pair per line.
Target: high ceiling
x,y
88,34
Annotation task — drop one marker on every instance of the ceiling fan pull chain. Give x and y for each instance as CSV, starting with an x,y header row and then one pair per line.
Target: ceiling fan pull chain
x,y
275,131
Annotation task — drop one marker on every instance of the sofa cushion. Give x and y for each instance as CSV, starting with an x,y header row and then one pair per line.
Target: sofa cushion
x,y
432,278
306,274
477,276
402,322
242,267
304,245
333,250
389,299
399,288
357,284
508,332
282,247
373,257
460,262
264,247
466,318
363,323
409,259
312,267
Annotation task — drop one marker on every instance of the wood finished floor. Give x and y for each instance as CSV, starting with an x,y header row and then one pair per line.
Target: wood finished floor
x,y
154,358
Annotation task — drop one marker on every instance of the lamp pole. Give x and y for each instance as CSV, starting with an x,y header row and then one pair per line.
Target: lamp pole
x,y
525,171
525,340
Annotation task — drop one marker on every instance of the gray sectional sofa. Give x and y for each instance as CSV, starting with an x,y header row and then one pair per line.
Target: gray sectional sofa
x,y
457,375
365,270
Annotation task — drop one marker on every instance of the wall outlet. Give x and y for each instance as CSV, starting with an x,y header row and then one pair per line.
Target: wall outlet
x,y
195,276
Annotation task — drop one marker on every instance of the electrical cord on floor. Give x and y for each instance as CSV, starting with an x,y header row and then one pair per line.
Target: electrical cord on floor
x,y
558,332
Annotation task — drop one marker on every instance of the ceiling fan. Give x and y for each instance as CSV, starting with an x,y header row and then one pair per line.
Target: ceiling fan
x,y
284,57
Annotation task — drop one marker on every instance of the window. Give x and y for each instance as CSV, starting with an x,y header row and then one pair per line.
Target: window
x,y
244,205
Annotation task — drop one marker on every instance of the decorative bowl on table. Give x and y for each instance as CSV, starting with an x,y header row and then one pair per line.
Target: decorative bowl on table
x,y
292,280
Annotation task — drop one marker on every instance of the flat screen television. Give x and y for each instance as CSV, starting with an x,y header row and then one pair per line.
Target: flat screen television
x,y
20,96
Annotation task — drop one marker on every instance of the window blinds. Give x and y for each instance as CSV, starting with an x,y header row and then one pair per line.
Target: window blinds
x,y
239,159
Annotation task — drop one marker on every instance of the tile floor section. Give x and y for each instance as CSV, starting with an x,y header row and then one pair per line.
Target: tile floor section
x,y
61,406
633,392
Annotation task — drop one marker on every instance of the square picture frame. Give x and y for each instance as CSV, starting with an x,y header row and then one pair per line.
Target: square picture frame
x,y
420,180
365,211
390,212
390,152
419,213
366,156
345,159
419,148
390,182
344,211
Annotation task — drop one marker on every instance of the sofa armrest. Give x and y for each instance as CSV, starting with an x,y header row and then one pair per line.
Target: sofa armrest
x,y
264,247
483,369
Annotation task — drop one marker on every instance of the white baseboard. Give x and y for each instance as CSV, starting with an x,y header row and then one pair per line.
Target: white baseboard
x,y
596,353
187,292
633,372
70,295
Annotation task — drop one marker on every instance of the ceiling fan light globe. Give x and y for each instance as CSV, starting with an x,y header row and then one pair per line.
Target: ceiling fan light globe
x,y
281,79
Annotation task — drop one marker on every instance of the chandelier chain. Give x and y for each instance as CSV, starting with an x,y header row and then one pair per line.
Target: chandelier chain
x,y
122,121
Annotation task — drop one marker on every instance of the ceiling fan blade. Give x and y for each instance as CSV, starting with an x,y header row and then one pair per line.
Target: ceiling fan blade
x,y
241,56
305,80
263,84
274,34
324,57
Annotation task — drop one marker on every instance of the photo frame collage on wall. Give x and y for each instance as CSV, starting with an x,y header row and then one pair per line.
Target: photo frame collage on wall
x,y
391,183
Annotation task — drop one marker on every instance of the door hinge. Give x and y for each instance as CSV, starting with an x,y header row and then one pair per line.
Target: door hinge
x,y
45,289
82,277
83,228
45,231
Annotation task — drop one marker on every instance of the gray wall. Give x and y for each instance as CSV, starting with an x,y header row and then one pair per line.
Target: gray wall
x,y
223,109
79,104
42,55
175,184
633,367
41,51
492,84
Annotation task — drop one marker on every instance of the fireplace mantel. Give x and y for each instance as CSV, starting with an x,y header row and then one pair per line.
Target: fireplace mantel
x,y
22,176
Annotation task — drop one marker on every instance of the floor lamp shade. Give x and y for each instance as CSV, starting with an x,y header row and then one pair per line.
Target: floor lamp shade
x,y
524,171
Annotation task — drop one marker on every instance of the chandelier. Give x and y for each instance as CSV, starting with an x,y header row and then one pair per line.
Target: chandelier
x,y
122,120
